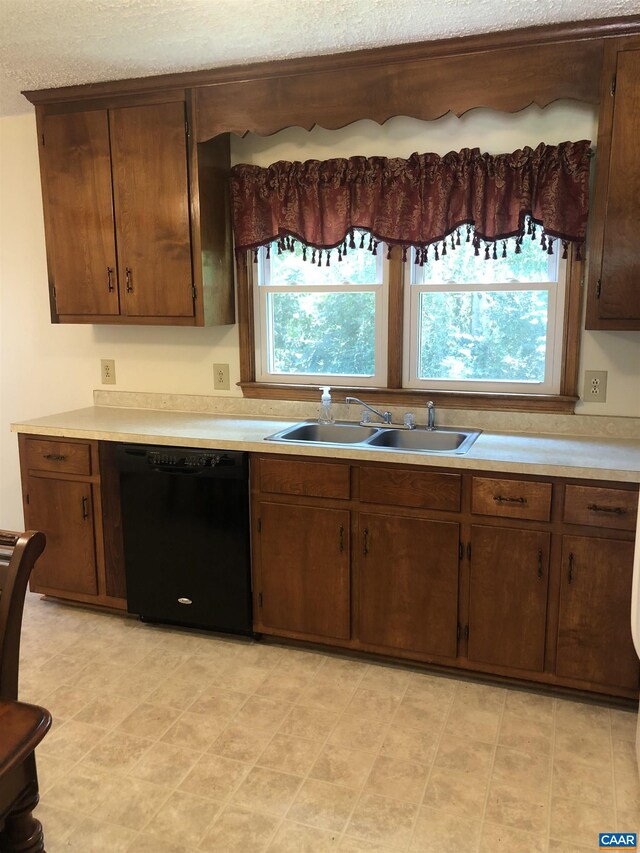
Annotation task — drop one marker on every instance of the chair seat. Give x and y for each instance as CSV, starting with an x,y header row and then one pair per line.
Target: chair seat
x,y
22,727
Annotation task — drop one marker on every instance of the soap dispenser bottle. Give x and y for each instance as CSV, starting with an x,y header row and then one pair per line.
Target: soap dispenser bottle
x,y
326,415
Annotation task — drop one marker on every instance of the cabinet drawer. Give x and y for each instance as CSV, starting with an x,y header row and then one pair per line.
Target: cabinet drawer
x,y
592,505
511,498
60,456
313,479
424,489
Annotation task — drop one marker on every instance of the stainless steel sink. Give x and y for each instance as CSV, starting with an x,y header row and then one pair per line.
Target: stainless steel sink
x,y
441,440
338,433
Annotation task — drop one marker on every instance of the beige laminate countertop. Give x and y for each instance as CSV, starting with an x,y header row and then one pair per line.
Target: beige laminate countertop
x,y
520,453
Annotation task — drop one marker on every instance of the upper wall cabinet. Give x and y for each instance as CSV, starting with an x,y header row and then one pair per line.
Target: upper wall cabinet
x,y
614,254
125,240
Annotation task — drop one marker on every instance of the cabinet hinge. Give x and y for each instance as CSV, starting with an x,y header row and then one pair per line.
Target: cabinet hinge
x,y
42,137
186,129
193,292
259,599
598,288
469,551
613,85
259,525
466,632
459,631
55,295
461,550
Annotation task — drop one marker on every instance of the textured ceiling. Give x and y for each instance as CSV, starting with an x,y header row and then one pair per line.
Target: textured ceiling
x,y
47,43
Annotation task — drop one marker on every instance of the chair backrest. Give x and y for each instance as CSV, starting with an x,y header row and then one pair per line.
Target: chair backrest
x,y
18,553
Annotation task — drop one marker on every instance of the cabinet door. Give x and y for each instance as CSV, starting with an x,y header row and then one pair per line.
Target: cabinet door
x,y
151,195
408,583
78,202
594,630
614,263
508,597
619,294
304,569
63,511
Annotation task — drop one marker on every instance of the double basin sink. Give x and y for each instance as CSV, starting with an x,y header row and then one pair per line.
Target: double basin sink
x,y
418,440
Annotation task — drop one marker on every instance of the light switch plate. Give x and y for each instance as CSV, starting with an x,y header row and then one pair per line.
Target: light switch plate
x,y
595,386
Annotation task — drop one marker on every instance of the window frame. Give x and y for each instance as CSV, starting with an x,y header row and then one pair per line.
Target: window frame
x,y
263,288
555,287
393,393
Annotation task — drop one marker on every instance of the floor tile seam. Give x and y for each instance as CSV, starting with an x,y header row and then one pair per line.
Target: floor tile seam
x,y
358,791
66,812
220,808
163,802
492,763
441,734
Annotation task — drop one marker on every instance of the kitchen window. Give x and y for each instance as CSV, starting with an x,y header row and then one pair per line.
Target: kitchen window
x,y
432,277
493,326
320,319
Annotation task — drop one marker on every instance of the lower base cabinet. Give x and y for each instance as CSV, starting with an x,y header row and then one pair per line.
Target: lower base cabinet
x,y
408,583
594,639
509,571
303,569
520,578
68,562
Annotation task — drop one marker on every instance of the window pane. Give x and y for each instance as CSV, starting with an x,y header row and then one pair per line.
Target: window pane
x,y
356,267
461,266
322,333
490,335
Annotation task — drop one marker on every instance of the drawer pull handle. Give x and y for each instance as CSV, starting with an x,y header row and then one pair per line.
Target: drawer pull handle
x,y
185,601
501,499
540,564
54,457
365,549
341,538
618,510
128,279
85,508
110,287
570,568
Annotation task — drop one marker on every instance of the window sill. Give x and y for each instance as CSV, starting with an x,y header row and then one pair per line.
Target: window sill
x,y
556,403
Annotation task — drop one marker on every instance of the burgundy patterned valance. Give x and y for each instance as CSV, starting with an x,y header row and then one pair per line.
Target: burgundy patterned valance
x,y
415,202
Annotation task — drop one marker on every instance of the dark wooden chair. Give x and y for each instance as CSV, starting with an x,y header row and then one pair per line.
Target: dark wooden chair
x,y
22,726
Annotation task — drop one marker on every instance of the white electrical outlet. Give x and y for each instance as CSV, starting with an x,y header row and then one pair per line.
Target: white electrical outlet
x,y
221,377
595,386
108,371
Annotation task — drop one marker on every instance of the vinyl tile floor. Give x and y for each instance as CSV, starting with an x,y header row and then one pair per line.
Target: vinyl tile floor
x,y
169,741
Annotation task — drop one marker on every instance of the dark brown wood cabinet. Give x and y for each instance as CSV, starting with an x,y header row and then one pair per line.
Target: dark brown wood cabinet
x,y
614,260
119,208
63,497
408,583
304,578
594,636
448,568
508,597
68,563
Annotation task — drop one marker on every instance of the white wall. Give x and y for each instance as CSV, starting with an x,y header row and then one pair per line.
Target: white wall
x,y
46,368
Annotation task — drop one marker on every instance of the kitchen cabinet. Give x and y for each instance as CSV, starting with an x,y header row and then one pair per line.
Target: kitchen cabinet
x,y
119,203
303,554
594,636
408,583
509,570
614,262
62,497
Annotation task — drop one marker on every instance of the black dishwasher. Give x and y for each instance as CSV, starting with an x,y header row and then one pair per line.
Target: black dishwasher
x,y
185,523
